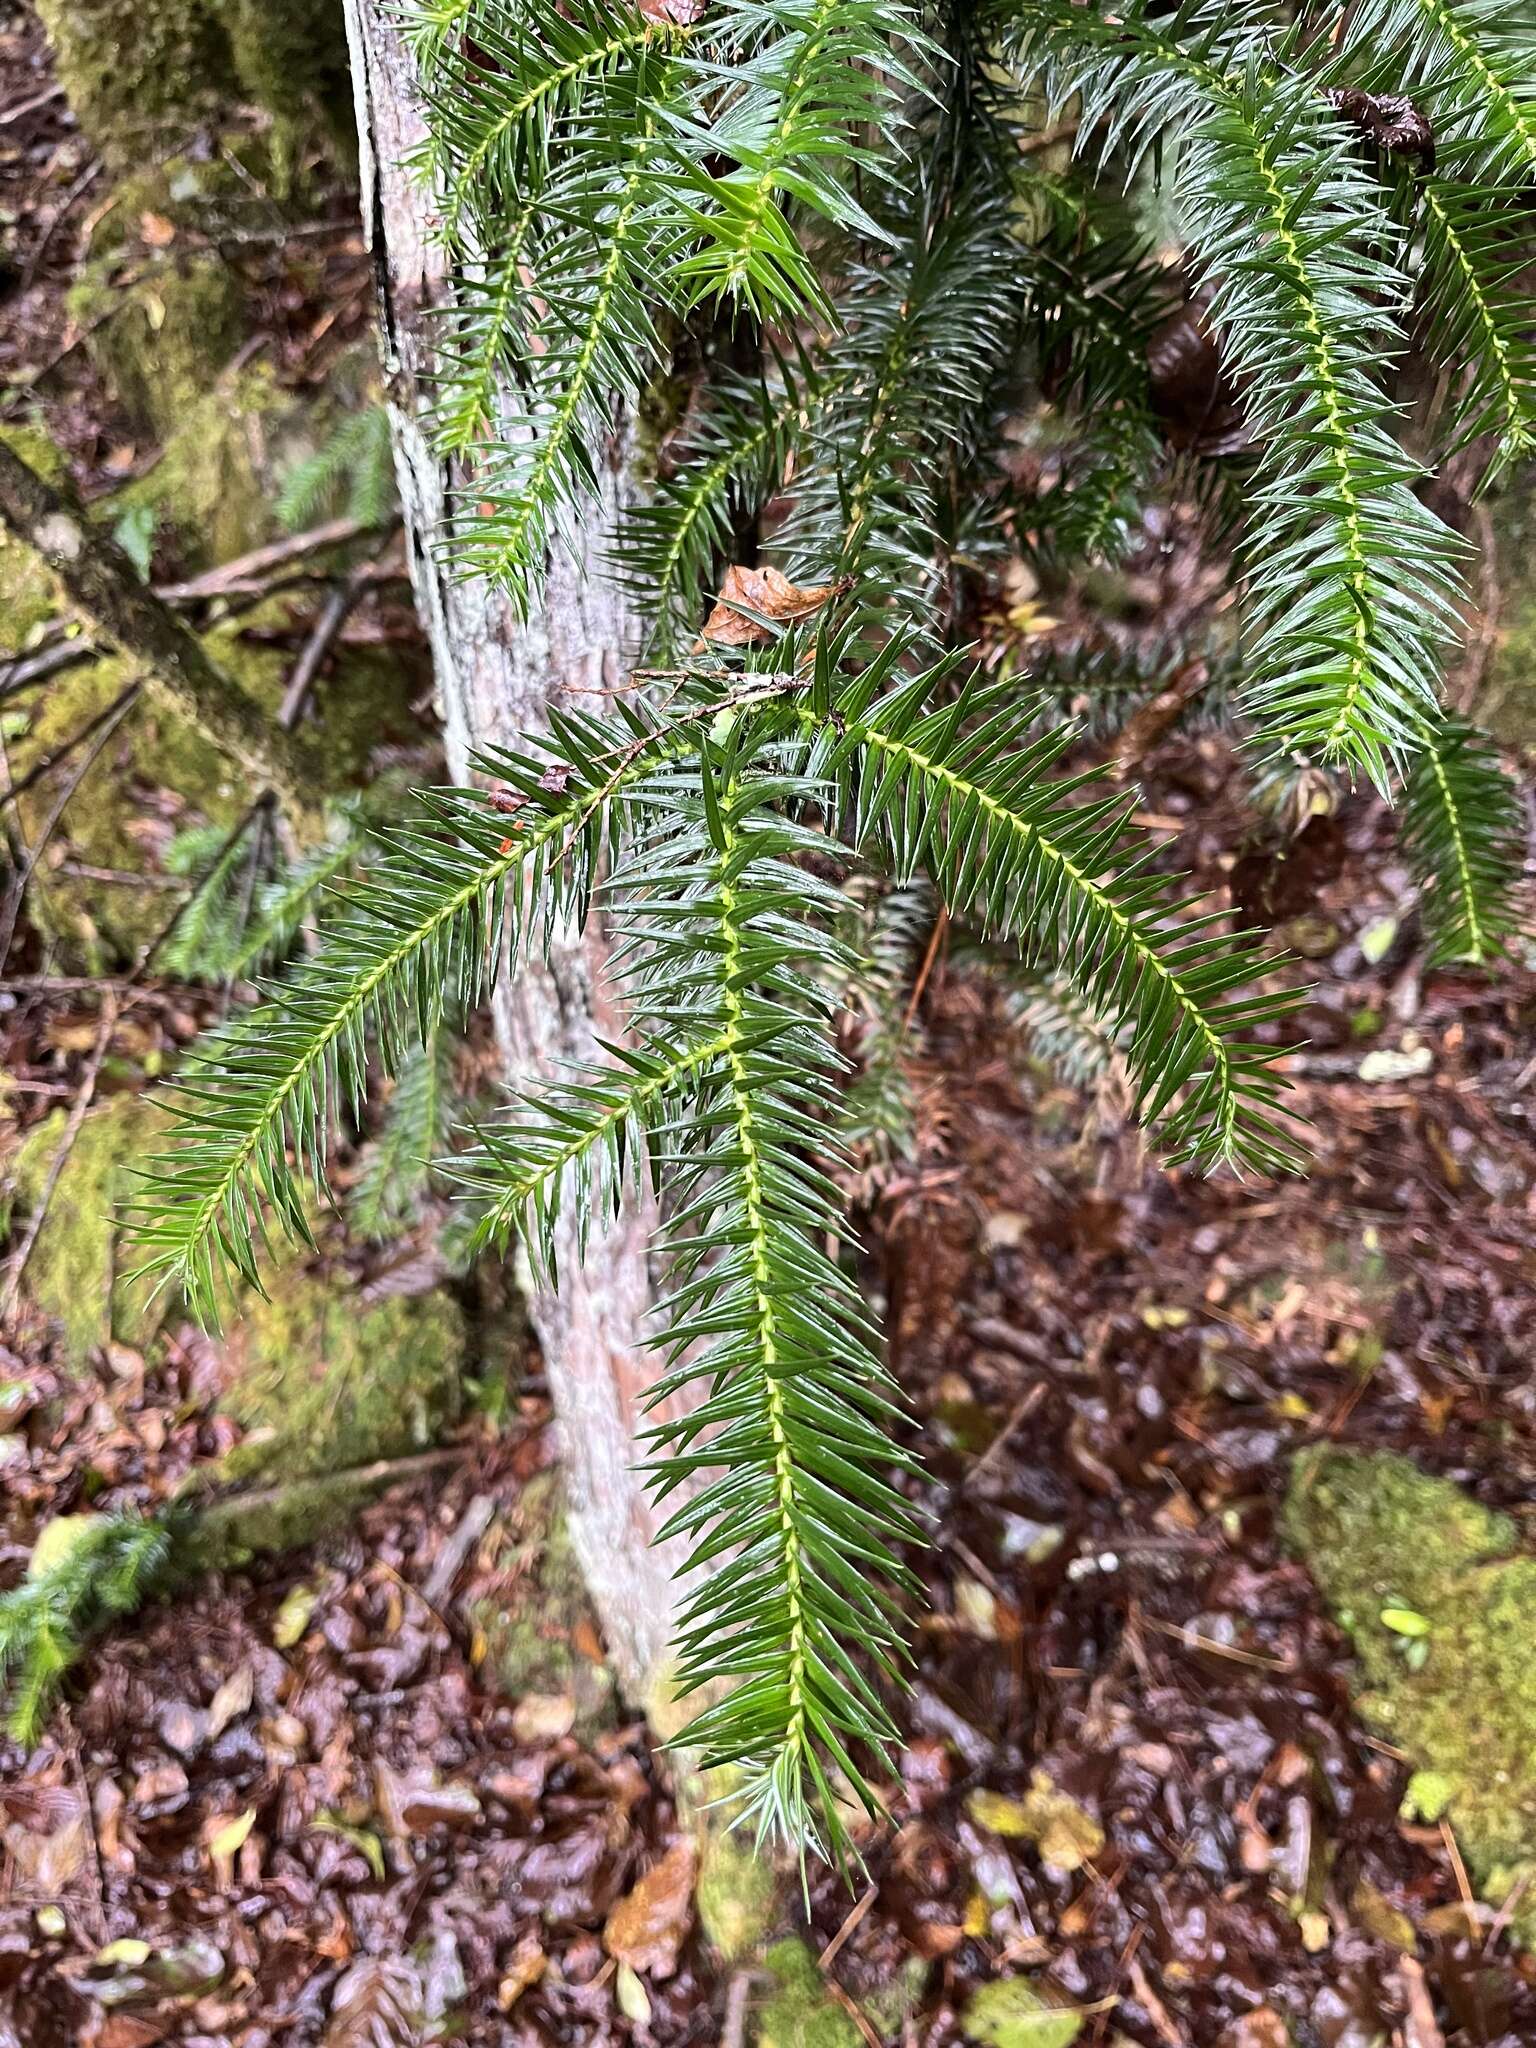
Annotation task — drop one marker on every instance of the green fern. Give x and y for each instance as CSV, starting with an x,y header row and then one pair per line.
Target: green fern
x,y
87,1571
351,474
413,1135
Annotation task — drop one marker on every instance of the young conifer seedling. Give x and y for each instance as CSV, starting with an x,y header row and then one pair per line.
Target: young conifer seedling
x,y
837,207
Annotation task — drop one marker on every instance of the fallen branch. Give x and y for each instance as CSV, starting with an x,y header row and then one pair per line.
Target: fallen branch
x,y
102,584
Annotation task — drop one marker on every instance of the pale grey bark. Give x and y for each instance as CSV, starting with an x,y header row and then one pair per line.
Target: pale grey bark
x,y
495,677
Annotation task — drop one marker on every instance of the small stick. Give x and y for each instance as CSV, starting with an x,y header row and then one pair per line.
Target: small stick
x,y
830,1953
17,1264
18,889
473,1523
734,2032
62,753
240,571
333,615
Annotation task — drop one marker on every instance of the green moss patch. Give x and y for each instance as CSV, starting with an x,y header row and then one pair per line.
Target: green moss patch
x,y
322,1383
141,77
1440,1605
800,2013
735,1896
28,592
80,1268
540,1634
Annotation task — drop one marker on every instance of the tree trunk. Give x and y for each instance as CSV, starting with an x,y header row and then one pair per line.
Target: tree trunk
x,y
495,678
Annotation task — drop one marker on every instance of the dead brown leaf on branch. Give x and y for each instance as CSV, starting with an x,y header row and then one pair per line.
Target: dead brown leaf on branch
x,y
753,603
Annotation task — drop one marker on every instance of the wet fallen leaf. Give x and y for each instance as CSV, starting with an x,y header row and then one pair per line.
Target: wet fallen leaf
x,y
232,1699
647,1928
48,1863
414,1804
160,1790
125,1954
292,1617
769,594
225,1835
528,1965
1382,1920
363,1840
631,1997
543,1717
1065,1832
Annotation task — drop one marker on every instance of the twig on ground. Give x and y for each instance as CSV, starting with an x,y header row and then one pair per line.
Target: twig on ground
x,y
829,1954
473,1523
733,2033
158,942
20,881
333,615
248,573
16,1265
92,726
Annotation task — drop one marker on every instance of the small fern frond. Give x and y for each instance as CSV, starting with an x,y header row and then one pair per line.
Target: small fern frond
x,y
1464,830
212,923
413,1134
351,472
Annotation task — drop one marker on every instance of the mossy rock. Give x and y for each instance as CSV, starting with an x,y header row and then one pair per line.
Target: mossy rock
x,y
141,78
162,340
1015,2013
28,590
736,1895
97,925
1439,1603
322,1383
80,1269
799,2013
540,1634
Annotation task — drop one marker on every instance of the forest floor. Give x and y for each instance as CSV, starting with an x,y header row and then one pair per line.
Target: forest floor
x,y
295,1805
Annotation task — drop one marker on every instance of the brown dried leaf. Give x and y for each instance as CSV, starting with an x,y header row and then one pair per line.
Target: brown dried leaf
x,y
232,1699
683,13
648,1927
49,1863
769,593
377,2005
